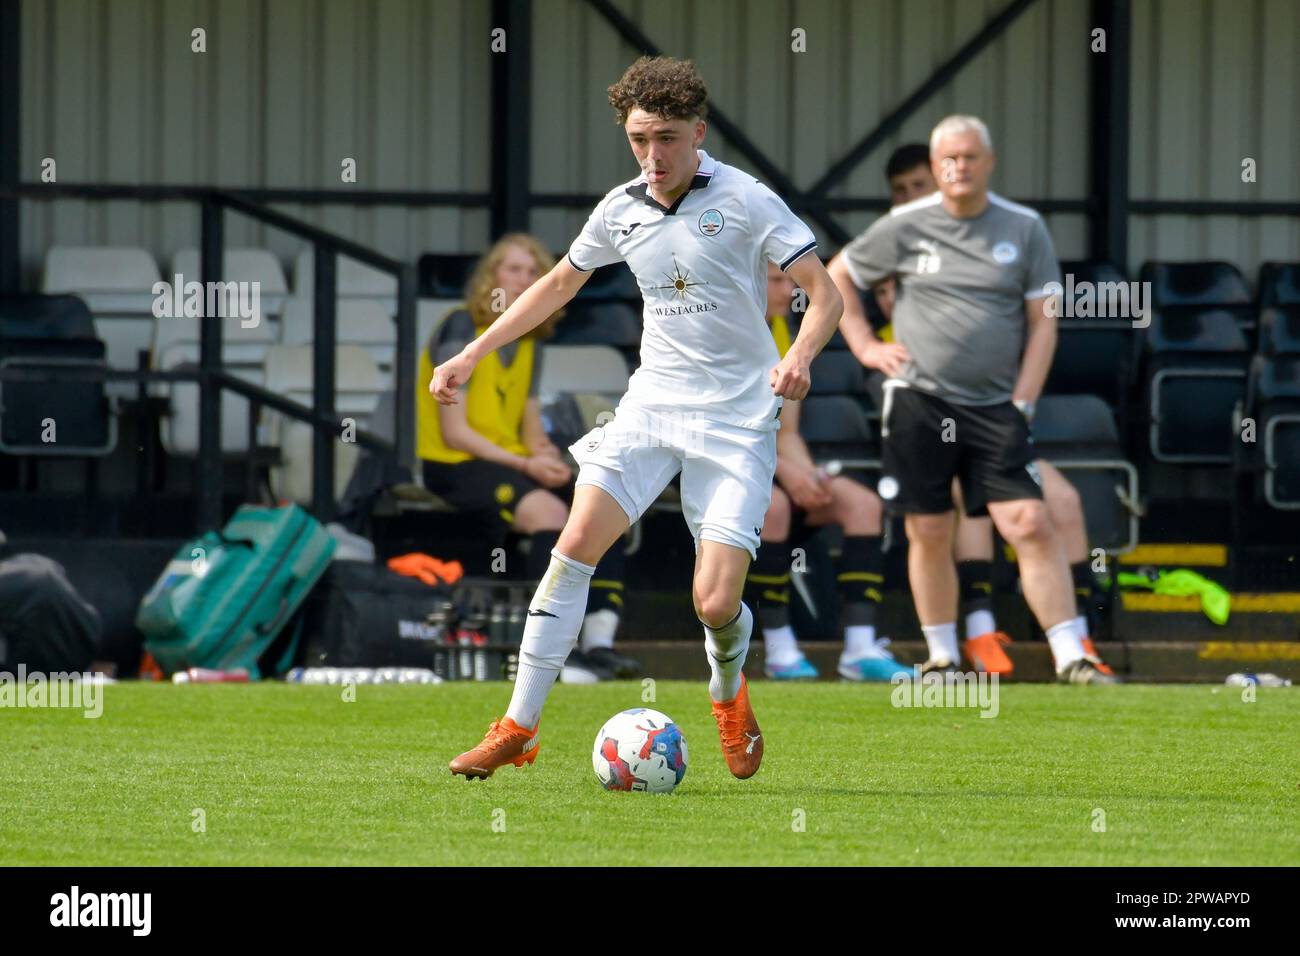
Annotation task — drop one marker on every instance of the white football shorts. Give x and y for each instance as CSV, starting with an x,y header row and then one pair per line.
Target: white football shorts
x,y
726,470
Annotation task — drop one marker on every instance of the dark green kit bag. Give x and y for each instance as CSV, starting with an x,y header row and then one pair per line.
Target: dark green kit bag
x,y
225,597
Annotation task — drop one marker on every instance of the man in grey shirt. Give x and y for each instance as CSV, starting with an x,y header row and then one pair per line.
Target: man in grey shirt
x,y
974,345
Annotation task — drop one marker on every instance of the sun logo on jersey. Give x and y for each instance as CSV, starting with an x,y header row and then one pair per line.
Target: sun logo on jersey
x,y
679,281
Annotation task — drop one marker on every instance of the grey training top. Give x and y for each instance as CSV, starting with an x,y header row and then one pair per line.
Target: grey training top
x,y
962,286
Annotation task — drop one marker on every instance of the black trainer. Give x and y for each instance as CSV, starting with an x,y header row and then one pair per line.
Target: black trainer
x,y
620,665
579,668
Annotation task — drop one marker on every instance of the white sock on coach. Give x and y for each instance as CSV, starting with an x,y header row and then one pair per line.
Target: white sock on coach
x,y
1066,640
780,648
550,636
941,639
726,648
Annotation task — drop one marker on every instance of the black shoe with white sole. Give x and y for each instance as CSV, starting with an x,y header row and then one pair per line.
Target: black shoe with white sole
x,y
1084,671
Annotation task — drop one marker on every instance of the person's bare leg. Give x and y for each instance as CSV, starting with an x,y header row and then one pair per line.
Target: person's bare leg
x,y
934,581
1065,508
1044,574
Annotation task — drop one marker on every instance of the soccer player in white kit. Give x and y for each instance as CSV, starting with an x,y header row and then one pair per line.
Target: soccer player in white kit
x,y
705,402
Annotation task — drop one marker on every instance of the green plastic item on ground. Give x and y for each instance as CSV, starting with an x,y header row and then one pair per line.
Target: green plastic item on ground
x,y
1215,600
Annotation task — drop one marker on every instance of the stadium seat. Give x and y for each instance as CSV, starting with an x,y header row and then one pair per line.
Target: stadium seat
x,y
580,368
444,275
611,283
1195,375
1195,283
243,351
179,430
1279,330
1093,357
358,386
1273,404
353,280
360,322
116,283
837,428
242,265
52,332
837,373
616,324
1095,271
1279,283
1077,434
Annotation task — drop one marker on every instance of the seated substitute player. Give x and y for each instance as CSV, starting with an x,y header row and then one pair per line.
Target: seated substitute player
x,y
804,496
490,455
908,174
971,273
705,401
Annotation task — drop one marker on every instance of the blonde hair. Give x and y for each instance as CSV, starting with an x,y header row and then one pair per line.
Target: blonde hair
x,y
479,291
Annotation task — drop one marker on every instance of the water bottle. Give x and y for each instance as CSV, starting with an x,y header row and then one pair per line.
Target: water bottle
x,y
1261,680
204,675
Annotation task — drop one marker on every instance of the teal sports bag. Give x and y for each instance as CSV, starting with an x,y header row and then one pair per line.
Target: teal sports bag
x,y
226,596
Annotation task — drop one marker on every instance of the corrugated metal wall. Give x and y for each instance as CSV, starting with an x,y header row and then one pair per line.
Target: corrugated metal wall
x,y
288,88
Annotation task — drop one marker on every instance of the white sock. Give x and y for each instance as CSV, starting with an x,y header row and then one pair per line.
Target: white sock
x,y
980,622
941,639
550,636
598,629
860,642
1066,640
726,648
780,646
1082,623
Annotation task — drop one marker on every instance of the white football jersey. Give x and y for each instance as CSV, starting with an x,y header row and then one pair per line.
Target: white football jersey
x,y
702,270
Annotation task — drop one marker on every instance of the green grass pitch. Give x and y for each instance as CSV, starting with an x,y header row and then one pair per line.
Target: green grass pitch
x,y
286,774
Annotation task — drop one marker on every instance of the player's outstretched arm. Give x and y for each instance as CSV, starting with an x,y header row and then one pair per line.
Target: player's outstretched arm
x,y
791,379
540,300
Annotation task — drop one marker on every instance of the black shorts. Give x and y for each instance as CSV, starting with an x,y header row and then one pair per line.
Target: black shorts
x,y
479,486
927,441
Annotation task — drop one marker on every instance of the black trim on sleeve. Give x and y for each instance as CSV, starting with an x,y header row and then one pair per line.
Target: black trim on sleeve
x,y
575,265
790,260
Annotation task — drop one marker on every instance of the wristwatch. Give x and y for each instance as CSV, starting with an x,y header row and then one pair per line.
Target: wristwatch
x,y
1025,407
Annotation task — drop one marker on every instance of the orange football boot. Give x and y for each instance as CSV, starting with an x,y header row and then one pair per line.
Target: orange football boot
x,y
1090,651
506,742
742,743
987,656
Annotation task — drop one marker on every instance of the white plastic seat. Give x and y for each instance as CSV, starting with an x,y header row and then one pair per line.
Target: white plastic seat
x,y
111,280
180,429
353,280
358,386
362,322
581,368
116,283
241,265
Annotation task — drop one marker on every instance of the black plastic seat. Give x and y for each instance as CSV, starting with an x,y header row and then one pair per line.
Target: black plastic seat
x,y
611,283
1195,283
599,323
837,373
52,333
1279,330
1279,283
836,427
1196,363
1078,434
444,275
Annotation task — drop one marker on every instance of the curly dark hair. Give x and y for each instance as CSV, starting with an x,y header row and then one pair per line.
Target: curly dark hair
x,y
661,85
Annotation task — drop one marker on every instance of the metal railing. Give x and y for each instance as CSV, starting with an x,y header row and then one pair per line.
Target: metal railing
x,y
212,378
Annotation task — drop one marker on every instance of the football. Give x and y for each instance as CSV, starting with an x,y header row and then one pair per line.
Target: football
x,y
639,749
